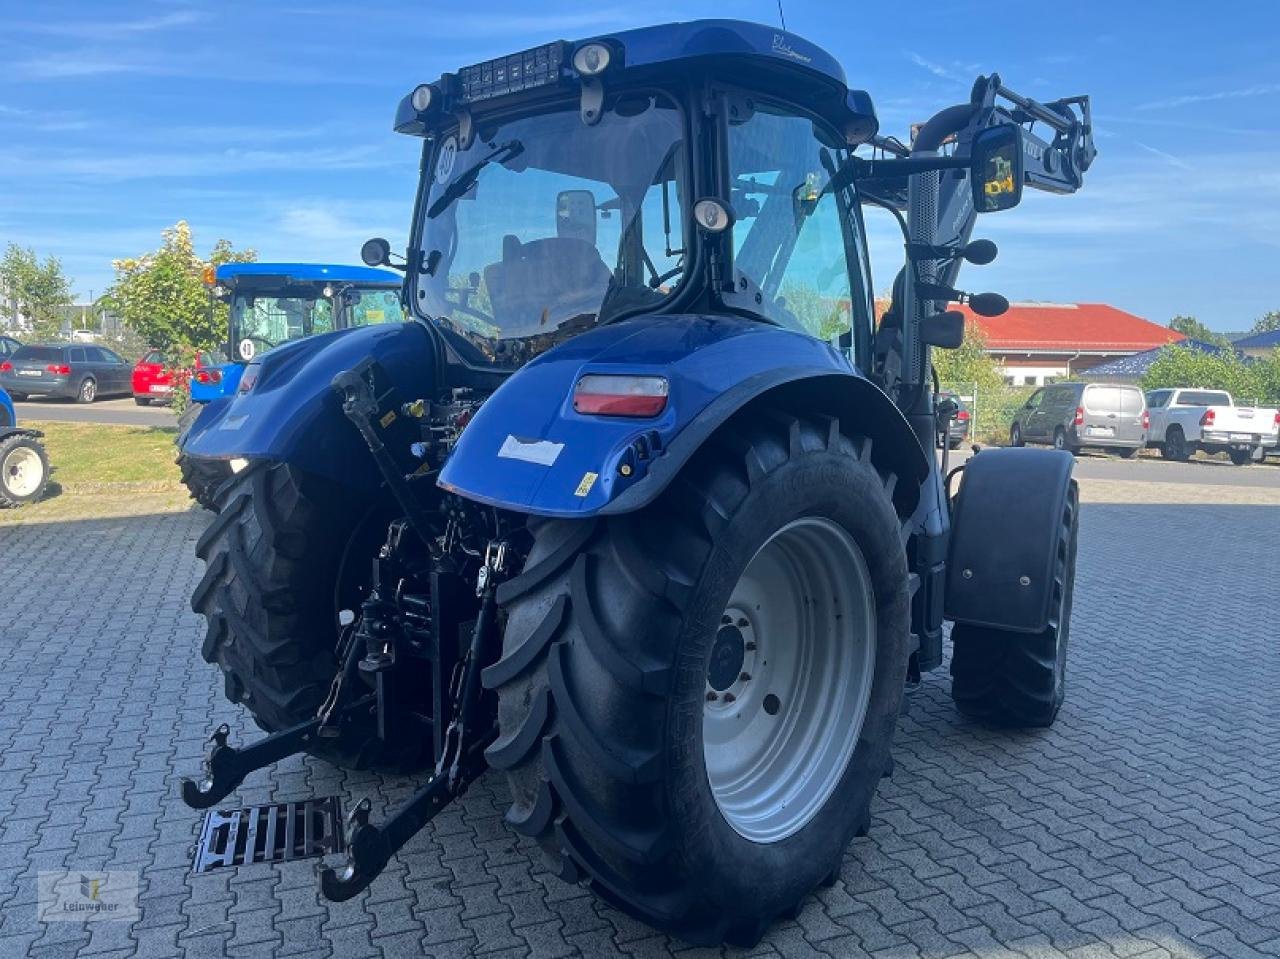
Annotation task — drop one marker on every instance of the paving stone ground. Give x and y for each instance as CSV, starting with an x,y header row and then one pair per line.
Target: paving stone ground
x,y
1146,823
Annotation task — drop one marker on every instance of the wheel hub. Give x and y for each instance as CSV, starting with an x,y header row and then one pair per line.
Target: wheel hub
x,y
22,472
788,680
727,656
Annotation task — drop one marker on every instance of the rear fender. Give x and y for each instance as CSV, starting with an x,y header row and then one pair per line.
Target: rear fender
x,y
528,450
1005,532
291,414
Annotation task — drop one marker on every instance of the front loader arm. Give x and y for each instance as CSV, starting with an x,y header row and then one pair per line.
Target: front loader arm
x,y
1056,164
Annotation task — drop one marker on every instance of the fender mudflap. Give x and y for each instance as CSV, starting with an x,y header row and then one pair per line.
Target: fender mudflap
x,y
1005,533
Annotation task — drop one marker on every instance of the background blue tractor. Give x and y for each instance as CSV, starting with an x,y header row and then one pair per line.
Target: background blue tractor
x,y
270,304
642,509
24,464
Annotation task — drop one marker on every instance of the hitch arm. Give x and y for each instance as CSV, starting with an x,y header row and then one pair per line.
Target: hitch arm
x,y
371,847
227,766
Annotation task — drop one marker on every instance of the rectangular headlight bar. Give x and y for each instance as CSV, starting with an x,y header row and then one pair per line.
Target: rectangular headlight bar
x,y
538,67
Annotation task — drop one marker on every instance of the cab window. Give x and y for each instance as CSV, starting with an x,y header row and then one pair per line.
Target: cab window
x,y
792,240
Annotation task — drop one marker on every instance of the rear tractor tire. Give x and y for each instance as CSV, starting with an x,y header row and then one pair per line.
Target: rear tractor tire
x,y
697,701
273,557
1019,679
201,476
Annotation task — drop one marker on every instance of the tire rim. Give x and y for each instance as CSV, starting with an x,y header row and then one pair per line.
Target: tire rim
x,y
87,391
789,680
22,472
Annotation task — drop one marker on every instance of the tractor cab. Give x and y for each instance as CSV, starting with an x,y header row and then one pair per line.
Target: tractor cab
x,y
672,170
274,303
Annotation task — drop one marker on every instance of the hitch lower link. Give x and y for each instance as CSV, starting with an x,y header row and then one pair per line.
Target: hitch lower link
x,y
226,766
371,847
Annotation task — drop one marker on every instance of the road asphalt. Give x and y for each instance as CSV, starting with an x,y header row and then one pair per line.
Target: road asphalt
x,y
115,412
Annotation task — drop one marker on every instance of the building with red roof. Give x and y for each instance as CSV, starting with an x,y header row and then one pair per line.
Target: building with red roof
x,y
1040,342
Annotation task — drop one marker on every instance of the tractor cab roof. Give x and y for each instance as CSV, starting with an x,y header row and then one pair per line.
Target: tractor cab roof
x,y
285,274
768,59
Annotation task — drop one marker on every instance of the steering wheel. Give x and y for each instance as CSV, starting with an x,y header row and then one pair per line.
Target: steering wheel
x,y
471,310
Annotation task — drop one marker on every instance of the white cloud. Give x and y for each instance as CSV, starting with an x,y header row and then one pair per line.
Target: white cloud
x,y
103,29
1167,157
1258,90
937,69
148,165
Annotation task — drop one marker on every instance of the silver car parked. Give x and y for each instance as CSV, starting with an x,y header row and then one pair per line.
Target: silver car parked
x,y
1073,415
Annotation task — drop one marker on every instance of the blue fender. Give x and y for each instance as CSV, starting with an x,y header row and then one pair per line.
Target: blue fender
x,y
528,450
8,415
292,415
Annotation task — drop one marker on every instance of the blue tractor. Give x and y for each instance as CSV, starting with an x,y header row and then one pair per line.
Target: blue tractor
x,y
642,511
270,304
24,464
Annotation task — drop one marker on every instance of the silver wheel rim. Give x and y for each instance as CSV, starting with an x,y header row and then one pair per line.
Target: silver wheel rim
x,y
22,472
778,736
88,390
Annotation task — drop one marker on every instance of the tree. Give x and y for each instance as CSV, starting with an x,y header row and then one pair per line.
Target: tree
x,y
1179,365
162,296
970,363
1190,326
1267,323
39,291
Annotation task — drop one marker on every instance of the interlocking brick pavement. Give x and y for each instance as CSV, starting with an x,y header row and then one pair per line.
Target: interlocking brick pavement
x,y
1146,823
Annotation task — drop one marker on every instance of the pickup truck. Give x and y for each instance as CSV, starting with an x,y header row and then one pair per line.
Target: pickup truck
x,y
1186,420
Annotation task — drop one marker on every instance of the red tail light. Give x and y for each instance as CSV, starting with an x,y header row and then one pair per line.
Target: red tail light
x,y
209,376
1146,420
62,370
620,395
962,416
5,367
1277,411
1208,418
1079,420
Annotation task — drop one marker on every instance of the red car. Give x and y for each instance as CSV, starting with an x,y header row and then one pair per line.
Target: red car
x,y
154,377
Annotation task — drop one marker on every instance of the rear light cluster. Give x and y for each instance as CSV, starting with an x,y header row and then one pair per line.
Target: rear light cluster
x,y
208,376
249,377
1207,418
1146,420
962,416
62,370
1079,420
607,394
5,367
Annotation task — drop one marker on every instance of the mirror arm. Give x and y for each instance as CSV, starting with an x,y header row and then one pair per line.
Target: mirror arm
x,y
858,168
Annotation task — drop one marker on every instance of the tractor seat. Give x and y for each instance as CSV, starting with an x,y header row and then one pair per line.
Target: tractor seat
x,y
540,284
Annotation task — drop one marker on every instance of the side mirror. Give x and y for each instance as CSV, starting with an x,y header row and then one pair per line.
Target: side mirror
x,y
944,330
376,252
576,215
995,171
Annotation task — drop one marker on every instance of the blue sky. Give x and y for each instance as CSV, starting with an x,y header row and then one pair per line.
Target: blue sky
x,y
269,124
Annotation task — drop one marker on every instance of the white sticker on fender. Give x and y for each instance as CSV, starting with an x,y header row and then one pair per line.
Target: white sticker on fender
x,y
542,452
